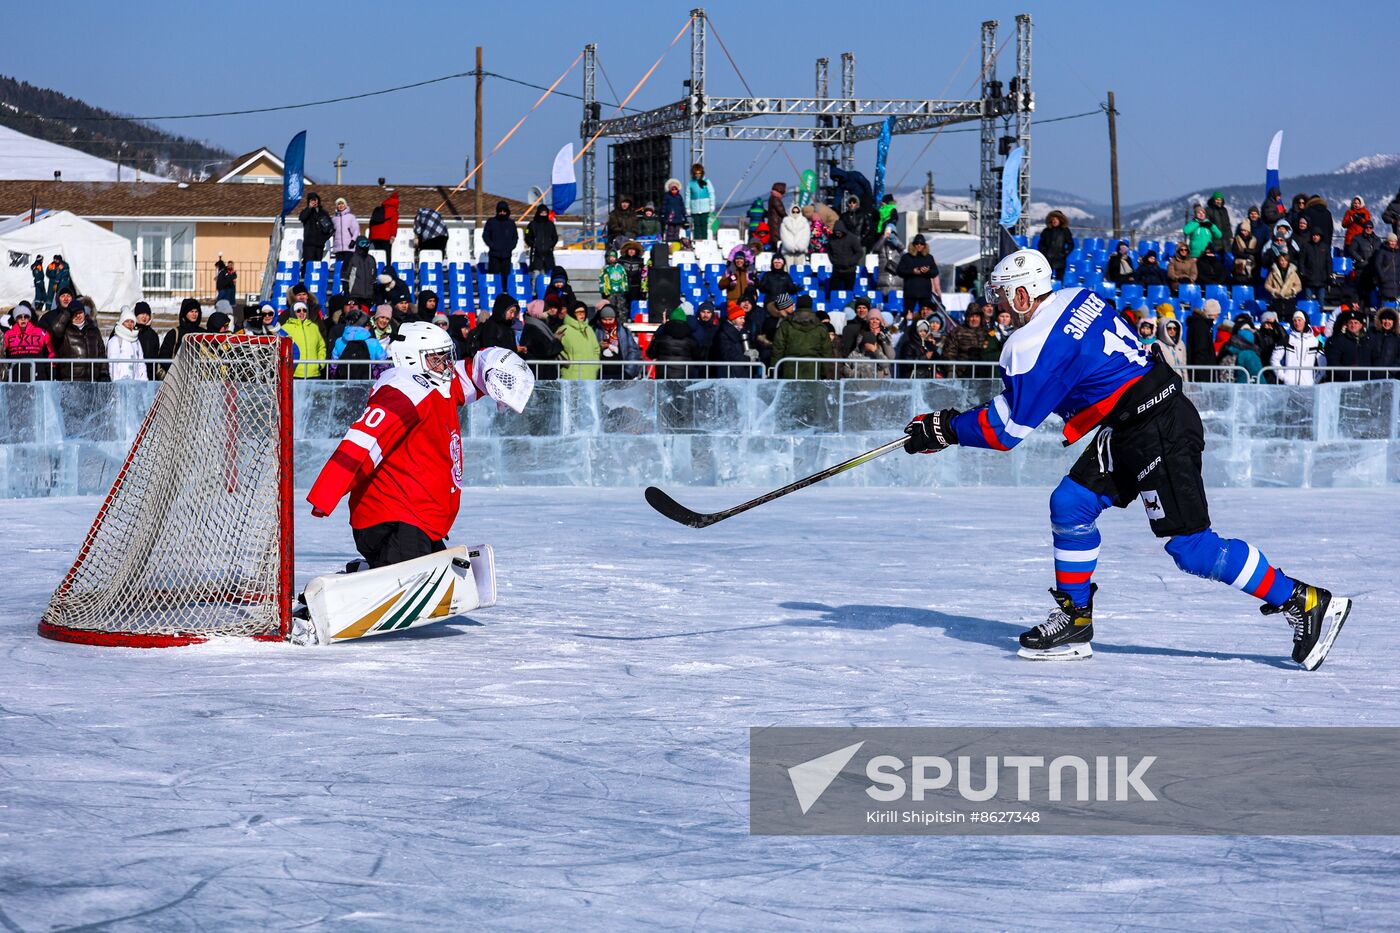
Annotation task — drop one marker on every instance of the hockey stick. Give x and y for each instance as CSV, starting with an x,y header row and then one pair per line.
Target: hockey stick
x,y
676,512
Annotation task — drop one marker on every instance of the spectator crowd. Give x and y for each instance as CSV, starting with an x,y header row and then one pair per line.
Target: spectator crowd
x,y
766,320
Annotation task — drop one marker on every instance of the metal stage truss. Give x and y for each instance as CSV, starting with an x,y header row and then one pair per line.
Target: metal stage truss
x,y
1004,112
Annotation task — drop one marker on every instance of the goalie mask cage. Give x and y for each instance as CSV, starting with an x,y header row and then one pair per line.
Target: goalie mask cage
x,y
195,537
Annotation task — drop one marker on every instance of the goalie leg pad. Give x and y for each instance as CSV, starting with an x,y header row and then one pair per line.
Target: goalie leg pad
x,y
400,596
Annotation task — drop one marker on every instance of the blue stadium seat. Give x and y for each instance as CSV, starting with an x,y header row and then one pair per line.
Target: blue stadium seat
x,y
459,288
520,287
1189,294
1071,278
1132,295
405,271
1156,294
1146,246
1242,293
1021,241
1341,265
1219,292
488,286
1107,291
1312,308
1035,241
430,279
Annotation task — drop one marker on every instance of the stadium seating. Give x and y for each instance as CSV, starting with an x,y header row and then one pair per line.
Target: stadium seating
x,y
1131,295
1188,294
459,296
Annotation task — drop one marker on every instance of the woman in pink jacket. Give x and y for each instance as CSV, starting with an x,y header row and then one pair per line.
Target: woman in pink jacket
x,y
26,340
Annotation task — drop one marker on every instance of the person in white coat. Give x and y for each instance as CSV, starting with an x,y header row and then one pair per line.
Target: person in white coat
x,y
125,345
795,237
1296,358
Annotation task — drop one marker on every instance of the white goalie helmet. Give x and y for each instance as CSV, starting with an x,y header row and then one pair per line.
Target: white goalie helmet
x,y
1025,268
505,376
425,350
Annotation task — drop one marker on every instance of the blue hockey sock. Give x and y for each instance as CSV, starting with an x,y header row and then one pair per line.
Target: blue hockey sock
x,y
1073,513
1232,561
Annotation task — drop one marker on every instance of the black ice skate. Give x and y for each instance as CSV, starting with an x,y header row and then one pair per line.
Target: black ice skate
x,y
1066,634
1316,616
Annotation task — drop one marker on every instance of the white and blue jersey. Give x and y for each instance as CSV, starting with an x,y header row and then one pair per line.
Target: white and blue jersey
x,y
1075,358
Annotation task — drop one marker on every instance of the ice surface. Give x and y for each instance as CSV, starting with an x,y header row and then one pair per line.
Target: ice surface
x,y
577,755
66,438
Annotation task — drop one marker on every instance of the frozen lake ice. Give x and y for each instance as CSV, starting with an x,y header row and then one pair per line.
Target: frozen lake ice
x,y
578,754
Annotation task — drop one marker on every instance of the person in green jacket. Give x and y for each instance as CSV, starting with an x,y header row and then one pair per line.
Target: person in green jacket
x,y
803,335
889,212
1200,232
612,281
305,332
580,343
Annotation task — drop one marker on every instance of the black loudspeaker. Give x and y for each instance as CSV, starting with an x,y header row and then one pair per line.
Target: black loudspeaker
x,y
640,169
664,293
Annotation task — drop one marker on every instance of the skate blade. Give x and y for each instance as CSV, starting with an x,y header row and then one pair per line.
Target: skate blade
x,y
1337,612
1075,651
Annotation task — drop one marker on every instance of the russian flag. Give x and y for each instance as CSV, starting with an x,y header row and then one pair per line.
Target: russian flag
x,y
563,186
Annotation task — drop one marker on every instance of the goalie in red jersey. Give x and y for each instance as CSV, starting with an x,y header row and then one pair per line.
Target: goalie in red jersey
x,y
401,462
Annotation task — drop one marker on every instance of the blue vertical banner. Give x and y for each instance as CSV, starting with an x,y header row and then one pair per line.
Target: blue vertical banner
x,y
1011,188
1271,164
294,173
882,152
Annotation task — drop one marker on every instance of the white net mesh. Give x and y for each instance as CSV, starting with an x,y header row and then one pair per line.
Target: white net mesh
x,y
189,541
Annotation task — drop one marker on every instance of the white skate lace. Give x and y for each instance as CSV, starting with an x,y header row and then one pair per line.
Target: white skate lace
x,y
1058,619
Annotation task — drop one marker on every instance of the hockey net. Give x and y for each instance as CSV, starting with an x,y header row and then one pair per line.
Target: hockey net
x,y
195,537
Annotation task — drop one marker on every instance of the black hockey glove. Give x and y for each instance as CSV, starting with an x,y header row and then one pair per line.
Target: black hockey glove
x,y
931,433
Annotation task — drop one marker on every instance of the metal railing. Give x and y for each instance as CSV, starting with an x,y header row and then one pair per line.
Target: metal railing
x,y
828,367
1328,373
806,367
1215,374
192,279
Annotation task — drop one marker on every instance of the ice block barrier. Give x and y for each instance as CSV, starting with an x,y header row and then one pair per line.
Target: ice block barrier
x,y
67,439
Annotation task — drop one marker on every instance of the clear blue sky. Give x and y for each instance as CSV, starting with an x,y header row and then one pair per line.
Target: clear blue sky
x,y
1199,100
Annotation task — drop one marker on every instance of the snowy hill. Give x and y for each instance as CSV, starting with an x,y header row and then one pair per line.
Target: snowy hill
x,y
1375,178
52,116
25,158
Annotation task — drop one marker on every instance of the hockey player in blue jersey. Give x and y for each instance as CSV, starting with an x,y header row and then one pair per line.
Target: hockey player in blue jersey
x,y
1077,358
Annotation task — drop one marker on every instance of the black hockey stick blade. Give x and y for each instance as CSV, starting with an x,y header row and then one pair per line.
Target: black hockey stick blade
x,y
663,503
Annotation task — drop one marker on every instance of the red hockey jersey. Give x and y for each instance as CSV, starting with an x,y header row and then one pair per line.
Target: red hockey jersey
x,y
402,460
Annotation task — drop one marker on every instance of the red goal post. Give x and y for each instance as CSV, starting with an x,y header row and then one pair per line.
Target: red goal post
x,y
194,539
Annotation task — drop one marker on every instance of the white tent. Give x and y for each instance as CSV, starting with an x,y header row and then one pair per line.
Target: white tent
x,y
101,261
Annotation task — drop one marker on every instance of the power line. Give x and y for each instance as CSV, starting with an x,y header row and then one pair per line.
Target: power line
x,y
322,103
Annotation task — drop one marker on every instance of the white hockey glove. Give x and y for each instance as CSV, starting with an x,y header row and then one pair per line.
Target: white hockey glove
x,y
505,377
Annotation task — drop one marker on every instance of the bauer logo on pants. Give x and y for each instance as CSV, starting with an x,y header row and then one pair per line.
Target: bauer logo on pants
x,y
1111,781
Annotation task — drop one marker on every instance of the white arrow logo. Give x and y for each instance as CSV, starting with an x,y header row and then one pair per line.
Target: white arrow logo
x,y
811,778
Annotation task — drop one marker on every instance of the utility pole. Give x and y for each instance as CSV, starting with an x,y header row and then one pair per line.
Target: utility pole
x,y
339,164
476,149
1113,163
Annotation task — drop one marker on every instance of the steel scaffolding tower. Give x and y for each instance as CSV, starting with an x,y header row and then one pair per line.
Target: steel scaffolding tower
x,y
833,132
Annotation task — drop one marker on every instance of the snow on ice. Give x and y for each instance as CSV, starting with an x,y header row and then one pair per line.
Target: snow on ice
x,y
578,753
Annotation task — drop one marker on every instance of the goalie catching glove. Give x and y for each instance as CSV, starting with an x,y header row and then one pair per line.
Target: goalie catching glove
x,y
931,432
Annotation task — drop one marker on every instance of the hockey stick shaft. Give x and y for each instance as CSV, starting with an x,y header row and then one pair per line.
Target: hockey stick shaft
x,y
673,510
